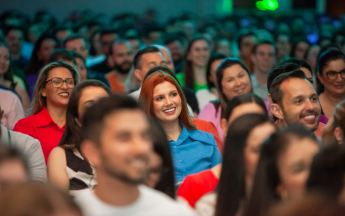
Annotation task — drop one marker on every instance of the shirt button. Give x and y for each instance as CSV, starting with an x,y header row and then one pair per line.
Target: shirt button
x,y
180,161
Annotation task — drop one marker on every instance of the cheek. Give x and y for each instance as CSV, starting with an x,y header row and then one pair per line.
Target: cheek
x,y
156,107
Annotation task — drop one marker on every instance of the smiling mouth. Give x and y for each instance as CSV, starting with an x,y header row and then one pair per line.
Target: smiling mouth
x,y
169,110
64,94
309,117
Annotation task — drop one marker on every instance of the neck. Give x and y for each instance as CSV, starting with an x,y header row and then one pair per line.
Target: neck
x,y
261,77
172,130
249,186
114,191
2,79
121,78
58,114
333,99
199,74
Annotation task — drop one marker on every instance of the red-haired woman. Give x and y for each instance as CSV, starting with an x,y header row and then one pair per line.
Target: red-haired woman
x,y
192,150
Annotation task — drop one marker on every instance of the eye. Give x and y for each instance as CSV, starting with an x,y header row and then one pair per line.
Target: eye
x,y
159,98
174,94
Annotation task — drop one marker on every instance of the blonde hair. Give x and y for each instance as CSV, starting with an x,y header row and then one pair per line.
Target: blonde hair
x,y
39,102
336,120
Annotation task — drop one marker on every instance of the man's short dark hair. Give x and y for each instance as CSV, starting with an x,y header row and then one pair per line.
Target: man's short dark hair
x,y
107,31
7,29
288,67
243,35
77,55
262,42
276,92
172,38
298,62
61,54
141,52
94,116
70,38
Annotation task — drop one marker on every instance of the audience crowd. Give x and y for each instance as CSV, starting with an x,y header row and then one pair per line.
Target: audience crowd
x,y
237,115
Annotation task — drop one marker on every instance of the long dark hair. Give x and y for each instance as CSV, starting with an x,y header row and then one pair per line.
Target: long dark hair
x,y
324,59
214,57
226,63
231,185
188,67
9,73
35,63
161,146
264,193
71,136
243,99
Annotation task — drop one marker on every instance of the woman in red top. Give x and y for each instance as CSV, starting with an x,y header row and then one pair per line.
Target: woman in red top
x,y
48,114
196,185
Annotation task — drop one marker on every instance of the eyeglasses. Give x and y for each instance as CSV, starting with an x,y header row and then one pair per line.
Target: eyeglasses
x,y
332,75
58,82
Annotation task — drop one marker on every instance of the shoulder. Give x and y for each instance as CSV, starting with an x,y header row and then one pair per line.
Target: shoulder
x,y
202,136
24,139
25,122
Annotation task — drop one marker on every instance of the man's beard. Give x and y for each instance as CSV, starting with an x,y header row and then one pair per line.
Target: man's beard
x,y
300,117
111,170
120,67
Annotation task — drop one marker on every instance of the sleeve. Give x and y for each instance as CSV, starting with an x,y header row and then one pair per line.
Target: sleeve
x,y
16,113
24,126
186,191
36,162
213,130
217,156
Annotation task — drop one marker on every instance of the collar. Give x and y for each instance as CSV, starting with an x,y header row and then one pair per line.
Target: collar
x,y
43,118
4,135
193,134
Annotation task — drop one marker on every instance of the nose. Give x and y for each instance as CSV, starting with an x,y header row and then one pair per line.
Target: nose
x,y
168,101
237,82
310,105
339,78
141,145
64,85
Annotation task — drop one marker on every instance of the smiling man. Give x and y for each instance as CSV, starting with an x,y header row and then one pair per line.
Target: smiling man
x,y
295,101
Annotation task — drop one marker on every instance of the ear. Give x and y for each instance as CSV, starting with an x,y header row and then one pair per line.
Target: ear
x,y
77,121
319,76
338,133
137,74
281,191
43,93
269,98
224,125
91,152
277,111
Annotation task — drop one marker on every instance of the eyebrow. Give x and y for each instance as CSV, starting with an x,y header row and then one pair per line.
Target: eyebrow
x,y
89,101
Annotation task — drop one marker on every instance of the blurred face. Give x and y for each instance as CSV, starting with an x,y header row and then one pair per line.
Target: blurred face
x,y
224,47
154,170
12,172
176,51
96,43
88,97
79,46
122,57
81,69
199,53
47,47
264,58
167,103
106,41
168,60
4,60
283,45
246,46
312,56
336,85
58,96
214,66
125,147
300,103
294,166
148,61
235,82
63,34
135,45
301,48
252,150
14,41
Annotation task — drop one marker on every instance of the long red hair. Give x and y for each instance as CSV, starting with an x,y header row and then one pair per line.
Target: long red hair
x,y
146,96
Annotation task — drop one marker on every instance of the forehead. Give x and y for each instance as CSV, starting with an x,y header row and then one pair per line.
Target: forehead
x,y
265,48
122,120
4,49
294,87
15,32
60,72
75,42
164,87
92,93
166,54
336,65
199,43
233,70
120,47
152,57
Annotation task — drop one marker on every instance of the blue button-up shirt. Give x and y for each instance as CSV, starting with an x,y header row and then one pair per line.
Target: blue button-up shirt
x,y
193,152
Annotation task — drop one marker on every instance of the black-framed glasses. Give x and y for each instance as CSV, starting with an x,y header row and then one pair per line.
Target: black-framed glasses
x,y
57,82
332,75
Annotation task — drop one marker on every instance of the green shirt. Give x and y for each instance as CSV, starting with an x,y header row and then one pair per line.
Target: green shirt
x,y
197,86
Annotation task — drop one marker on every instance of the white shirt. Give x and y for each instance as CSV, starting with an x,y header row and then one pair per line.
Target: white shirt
x,y
149,203
204,96
31,150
